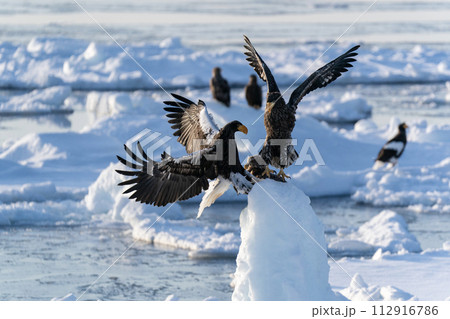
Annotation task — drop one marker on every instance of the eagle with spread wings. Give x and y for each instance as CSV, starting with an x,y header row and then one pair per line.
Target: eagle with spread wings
x,y
212,163
279,117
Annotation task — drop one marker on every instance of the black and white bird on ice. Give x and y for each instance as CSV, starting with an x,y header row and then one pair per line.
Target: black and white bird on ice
x,y
219,87
393,149
253,93
213,155
279,117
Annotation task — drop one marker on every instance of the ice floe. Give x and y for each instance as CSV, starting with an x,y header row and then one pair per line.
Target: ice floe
x,y
387,231
348,108
165,226
359,290
86,65
423,189
395,270
36,102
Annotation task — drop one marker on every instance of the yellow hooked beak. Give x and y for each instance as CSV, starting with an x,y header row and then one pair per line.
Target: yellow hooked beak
x,y
405,126
243,129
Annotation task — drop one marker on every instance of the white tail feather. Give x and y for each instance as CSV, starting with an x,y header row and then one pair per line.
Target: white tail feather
x,y
216,189
378,164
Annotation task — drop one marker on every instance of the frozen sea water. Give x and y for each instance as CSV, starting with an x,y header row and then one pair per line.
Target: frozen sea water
x,y
39,263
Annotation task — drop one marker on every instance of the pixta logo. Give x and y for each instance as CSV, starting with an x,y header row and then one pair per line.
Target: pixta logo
x,y
151,145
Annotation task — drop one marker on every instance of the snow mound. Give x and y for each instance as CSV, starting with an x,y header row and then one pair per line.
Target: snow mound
x,y
39,192
387,230
50,100
423,189
349,108
423,133
32,151
46,213
282,255
359,290
104,104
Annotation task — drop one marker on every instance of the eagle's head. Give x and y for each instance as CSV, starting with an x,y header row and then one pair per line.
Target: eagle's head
x,y
216,71
402,127
235,126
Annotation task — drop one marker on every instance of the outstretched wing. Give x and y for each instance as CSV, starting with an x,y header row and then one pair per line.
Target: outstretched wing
x,y
324,76
260,66
161,183
194,126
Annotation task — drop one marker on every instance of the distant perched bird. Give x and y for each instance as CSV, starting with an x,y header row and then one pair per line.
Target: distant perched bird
x,y
213,156
279,117
219,87
393,149
253,93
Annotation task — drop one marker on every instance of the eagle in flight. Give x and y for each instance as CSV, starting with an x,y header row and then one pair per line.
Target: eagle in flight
x,y
212,163
279,117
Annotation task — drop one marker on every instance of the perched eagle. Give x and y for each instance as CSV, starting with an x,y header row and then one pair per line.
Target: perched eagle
x,y
253,93
393,149
219,87
213,155
279,117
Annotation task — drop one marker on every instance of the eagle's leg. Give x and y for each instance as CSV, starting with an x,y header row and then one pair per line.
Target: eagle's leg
x,y
282,174
267,171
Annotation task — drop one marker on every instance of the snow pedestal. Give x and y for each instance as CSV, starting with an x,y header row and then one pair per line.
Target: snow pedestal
x,y
283,251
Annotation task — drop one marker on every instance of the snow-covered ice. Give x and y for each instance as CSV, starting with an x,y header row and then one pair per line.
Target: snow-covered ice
x,y
159,225
423,189
359,290
36,102
46,61
349,108
422,275
387,230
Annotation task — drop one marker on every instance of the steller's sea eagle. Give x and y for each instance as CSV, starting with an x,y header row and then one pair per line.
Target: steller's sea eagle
x,y
219,87
253,93
393,149
279,117
212,163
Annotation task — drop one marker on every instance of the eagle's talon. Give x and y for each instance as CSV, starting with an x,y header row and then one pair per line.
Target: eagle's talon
x,y
267,172
283,175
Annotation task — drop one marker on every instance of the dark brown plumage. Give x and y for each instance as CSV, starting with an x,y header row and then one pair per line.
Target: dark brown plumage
x,y
213,155
279,117
393,149
219,87
253,93
258,168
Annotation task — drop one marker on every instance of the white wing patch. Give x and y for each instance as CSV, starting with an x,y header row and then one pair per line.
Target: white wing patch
x,y
395,145
216,189
207,124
